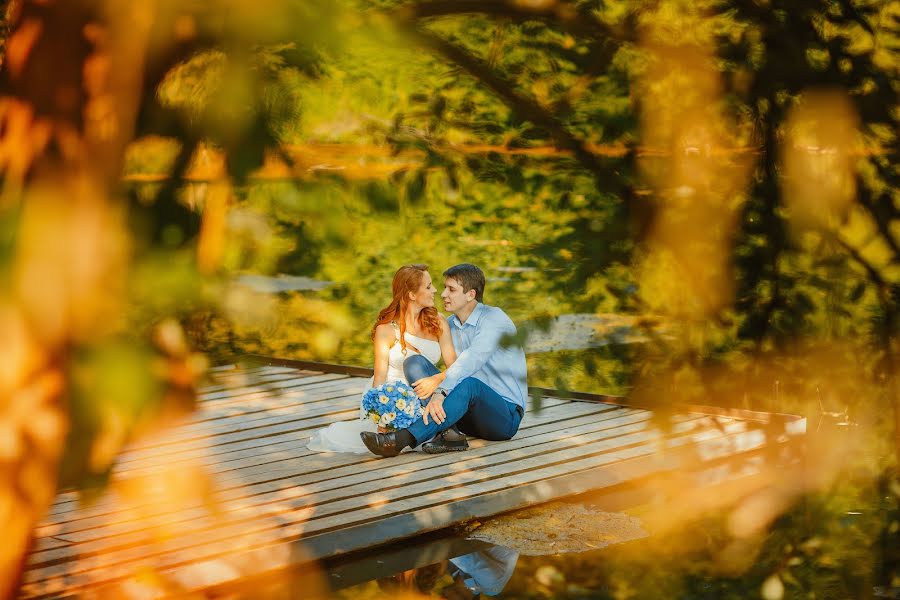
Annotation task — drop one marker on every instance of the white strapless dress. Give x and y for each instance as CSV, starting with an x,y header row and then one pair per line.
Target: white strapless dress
x,y
344,435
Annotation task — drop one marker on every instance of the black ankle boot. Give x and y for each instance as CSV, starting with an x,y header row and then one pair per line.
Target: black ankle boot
x,y
387,444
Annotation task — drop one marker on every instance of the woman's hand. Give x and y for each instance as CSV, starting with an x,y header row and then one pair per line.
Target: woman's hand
x,y
425,387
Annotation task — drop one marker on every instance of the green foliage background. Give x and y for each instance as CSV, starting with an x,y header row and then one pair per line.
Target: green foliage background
x,y
358,136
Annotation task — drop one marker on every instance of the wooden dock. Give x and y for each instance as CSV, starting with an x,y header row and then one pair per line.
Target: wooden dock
x,y
233,493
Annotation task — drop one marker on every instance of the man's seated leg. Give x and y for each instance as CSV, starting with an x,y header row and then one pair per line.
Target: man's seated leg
x,y
417,367
483,410
490,417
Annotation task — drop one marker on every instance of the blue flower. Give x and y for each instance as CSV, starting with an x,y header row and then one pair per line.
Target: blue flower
x,y
389,405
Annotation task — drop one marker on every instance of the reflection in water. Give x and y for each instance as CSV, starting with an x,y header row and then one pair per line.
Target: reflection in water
x,y
470,568
281,283
582,331
485,571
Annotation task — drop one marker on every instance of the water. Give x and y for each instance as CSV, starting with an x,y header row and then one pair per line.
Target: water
x,y
448,565
813,552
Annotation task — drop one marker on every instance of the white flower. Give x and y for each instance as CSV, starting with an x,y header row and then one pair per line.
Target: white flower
x,y
403,392
401,403
389,388
383,399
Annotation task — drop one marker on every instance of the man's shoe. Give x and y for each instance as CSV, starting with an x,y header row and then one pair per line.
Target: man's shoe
x,y
448,441
382,444
454,435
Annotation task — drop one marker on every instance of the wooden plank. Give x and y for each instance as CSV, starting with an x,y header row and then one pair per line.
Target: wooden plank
x,y
329,464
252,377
530,470
345,499
793,424
286,554
306,364
258,454
288,486
242,378
276,424
291,427
136,453
48,542
563,411
68,495
347,406
251,396
73,503
212,398
232,394
117,563
514,495
62,511
274,491
557,416
291,407
162,454
98,528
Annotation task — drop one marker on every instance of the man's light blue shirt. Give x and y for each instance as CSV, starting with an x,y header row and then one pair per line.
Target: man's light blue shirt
x,y
479,354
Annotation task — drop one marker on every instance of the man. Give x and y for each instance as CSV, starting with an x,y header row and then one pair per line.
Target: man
x,y
483,393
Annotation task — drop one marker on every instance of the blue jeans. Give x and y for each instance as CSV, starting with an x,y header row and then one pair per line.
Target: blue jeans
x,y
472,406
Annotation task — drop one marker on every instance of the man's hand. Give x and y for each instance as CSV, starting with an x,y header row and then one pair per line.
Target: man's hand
x,y
425,387
435,408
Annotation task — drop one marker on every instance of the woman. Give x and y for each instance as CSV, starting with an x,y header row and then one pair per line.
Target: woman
x,y
409,325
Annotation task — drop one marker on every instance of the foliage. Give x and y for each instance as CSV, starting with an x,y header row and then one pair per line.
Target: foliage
x,y
722,172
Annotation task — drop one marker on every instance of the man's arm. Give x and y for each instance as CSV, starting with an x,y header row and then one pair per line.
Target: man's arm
x,y
486,341
491,329
426,386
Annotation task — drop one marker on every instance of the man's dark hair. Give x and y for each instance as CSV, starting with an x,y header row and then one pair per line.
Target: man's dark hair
x,y
469,277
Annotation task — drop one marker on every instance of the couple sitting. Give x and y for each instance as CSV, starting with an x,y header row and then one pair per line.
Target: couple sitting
x,y
482,393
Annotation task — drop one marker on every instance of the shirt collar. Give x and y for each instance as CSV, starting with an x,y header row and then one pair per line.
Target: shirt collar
x,y
472,320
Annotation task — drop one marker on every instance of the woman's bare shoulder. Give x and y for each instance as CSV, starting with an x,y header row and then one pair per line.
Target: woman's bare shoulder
x,y
385,331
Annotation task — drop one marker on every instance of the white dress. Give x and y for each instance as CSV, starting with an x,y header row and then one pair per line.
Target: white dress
x,y
344,435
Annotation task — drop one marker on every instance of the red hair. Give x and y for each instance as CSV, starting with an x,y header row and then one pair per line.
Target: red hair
x,y
408,279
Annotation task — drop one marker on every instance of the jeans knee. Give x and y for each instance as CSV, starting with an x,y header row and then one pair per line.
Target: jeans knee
x,y
416,367
468,386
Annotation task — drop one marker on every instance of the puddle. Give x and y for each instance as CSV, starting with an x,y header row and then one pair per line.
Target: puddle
x,y
556,528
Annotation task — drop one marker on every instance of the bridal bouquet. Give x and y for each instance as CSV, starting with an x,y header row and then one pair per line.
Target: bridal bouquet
x,y
392,405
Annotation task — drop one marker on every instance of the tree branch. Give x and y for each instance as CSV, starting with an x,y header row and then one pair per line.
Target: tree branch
x,y
525,107
576,20
882,217
872,272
